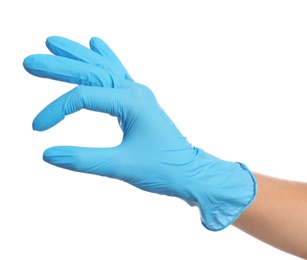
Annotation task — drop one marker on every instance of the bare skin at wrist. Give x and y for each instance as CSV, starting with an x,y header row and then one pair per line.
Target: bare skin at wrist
x,y
278,216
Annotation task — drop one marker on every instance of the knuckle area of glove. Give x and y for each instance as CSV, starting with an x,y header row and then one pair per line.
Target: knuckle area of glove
x,y
141,96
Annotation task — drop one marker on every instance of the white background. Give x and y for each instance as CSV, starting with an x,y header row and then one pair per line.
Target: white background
x,y
231,75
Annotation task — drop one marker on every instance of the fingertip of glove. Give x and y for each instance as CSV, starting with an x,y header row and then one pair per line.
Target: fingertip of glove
x,y
53,38
94,39
60,156
93,44
31,63
27,61
46,154
50,155
49,38
37,127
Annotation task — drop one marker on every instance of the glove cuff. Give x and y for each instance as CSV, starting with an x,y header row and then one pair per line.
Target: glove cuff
x,y
235,189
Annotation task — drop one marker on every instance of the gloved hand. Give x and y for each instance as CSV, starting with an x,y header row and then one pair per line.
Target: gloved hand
x,y
153,156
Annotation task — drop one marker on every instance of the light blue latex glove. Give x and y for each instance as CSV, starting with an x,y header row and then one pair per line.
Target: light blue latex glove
x,y
153,156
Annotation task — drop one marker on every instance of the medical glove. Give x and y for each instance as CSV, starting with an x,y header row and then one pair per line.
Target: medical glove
x,y
153,155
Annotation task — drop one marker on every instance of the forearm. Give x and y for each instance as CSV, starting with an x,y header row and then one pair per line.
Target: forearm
x,y
278,216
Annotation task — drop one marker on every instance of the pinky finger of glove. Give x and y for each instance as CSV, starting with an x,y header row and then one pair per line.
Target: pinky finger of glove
x,y
100,47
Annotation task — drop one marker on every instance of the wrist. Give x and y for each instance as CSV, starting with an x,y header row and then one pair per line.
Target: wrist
x,y
225,190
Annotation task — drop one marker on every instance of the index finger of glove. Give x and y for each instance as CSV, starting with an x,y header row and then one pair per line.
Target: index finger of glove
x,y
106,100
